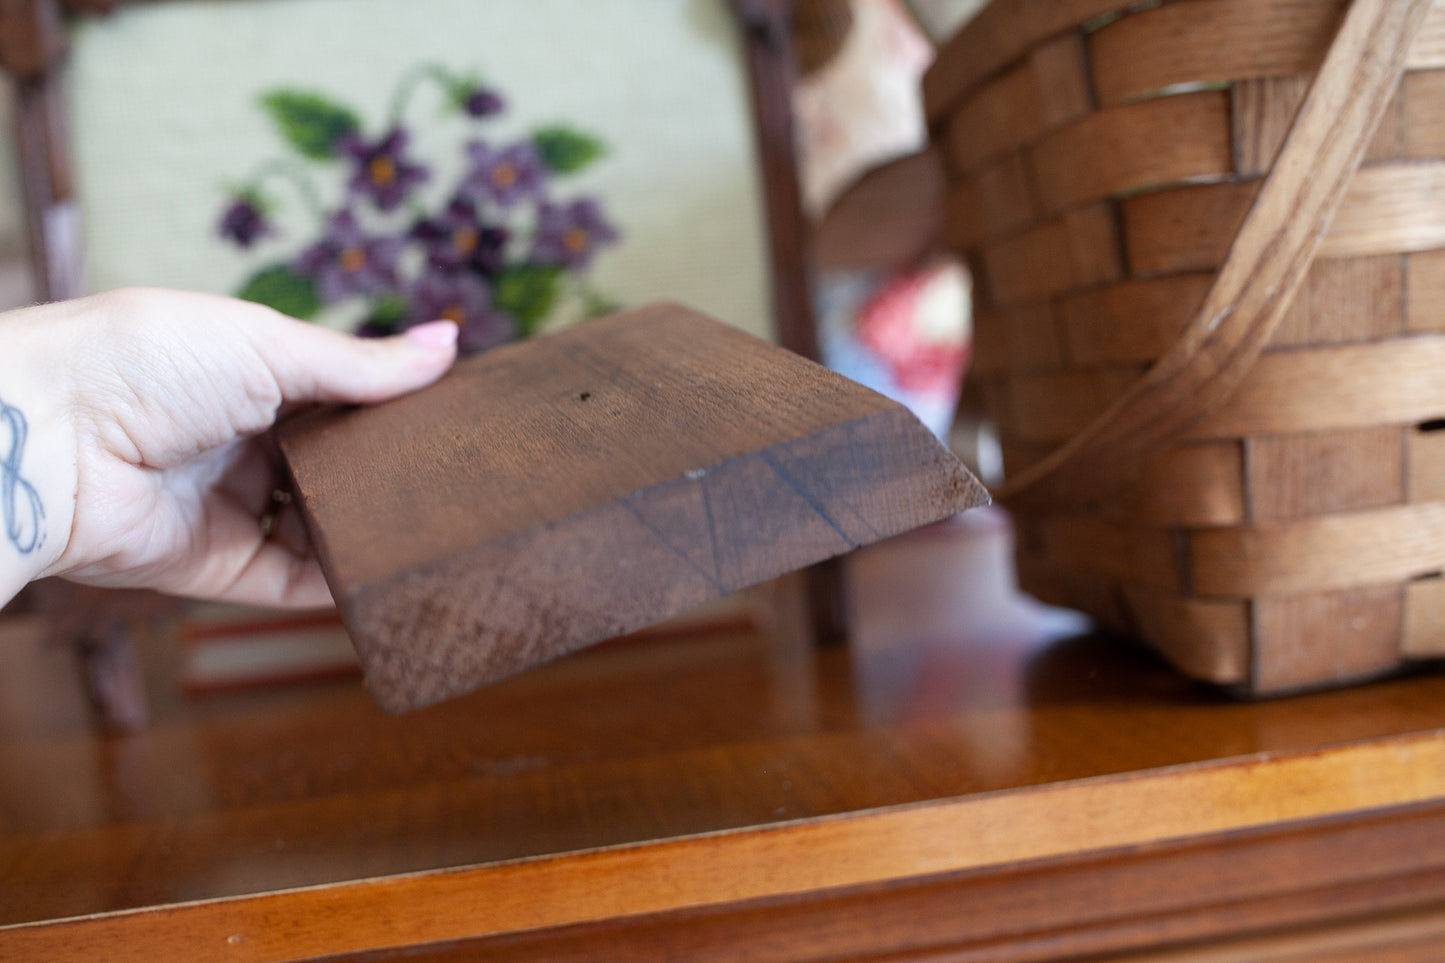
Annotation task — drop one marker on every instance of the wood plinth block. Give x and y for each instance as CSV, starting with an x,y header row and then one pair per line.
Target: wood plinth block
x,y
556,492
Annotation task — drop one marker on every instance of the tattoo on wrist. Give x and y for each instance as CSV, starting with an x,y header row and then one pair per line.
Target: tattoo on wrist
x,y
20,504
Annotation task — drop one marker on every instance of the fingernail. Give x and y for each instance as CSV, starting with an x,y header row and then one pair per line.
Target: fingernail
x,y
433,335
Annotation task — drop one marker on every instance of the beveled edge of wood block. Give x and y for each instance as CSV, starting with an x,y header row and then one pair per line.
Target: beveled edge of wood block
x,y
480,616
856,468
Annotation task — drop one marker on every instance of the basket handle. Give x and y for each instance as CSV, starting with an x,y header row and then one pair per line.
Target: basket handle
x,y
1265,265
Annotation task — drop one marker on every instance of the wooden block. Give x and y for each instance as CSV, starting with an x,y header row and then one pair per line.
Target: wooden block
x,y
562,490
1262,111
1294,476
1424,633
1130,323
1425,291
1206,640
1325,638
1152,142
1346,299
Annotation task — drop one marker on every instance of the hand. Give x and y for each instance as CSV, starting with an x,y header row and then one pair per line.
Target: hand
x,y
141,417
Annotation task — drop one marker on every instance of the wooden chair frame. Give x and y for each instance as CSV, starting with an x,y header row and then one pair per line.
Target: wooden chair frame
x,y
34,44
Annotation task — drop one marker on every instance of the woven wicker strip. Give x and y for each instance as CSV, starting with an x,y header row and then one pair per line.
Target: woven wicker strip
x,y
1211,317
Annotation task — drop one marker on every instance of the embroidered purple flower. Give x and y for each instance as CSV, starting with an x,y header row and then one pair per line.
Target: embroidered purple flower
x,y
481,102
348,261
383,173
570,233
506,176
244,222
465,299
457,239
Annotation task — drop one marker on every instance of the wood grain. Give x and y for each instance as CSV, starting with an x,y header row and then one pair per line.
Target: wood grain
x,y
1047,89
1077,250
994,201
1261,111
1426,457
1346,550
570,488
1206,638
1387,382
1092,815
1053,406
1345,300
1184,229
1000,34
1129,323
628,744
1424,631
1208,41
1320,638
1191,228
1292,476
1234,901
1191,485
1142,555
1121,149
1024,339
1424,113
1425,291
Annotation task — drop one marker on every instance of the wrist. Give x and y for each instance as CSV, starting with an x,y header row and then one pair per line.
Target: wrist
x,y
37,450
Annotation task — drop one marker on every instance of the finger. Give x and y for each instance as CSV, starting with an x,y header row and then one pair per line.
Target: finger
x,y
311,363
276,576
240,565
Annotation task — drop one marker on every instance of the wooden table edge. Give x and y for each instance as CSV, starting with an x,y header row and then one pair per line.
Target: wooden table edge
x,y
874,846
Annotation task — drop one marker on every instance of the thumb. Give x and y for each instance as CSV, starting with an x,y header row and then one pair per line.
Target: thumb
x,y
311,363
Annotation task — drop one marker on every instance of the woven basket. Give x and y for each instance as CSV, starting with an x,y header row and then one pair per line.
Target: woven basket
x,y
1208,240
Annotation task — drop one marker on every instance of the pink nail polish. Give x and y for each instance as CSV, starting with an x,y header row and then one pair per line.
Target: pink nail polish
x,y
433,335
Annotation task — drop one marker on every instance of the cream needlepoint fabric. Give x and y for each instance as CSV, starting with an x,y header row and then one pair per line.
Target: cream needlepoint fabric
x,y
166,121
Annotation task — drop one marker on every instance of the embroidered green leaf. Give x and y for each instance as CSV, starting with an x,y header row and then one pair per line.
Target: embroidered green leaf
x,y
309,122
281,288
528,292
565,150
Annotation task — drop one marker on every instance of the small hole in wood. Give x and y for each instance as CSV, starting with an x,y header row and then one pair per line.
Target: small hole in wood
x,y
1434,424
584,396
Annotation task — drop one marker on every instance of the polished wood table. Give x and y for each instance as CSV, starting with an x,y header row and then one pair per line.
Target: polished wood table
x,y
971,779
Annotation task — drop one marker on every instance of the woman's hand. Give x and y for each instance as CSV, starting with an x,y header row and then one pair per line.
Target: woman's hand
x,y
133,450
